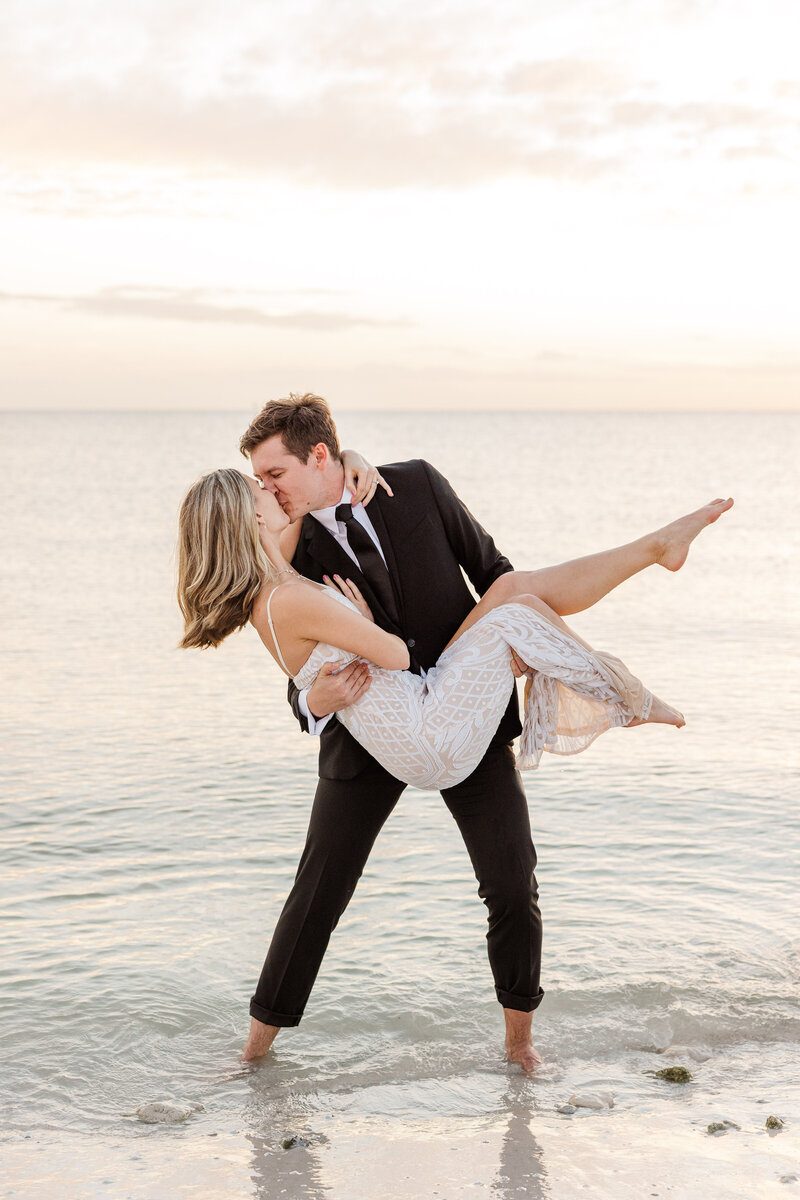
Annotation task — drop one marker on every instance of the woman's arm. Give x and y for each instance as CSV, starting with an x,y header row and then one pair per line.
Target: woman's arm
x,y
361,478
311,615
289,539
362,481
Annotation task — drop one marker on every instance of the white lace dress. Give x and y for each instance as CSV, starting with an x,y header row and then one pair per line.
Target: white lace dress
x,y
433,732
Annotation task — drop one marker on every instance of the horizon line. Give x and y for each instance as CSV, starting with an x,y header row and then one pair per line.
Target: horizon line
x,y
413,411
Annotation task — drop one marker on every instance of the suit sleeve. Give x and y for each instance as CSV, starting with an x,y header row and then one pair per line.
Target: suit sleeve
x,y
293,698
474,548
299,705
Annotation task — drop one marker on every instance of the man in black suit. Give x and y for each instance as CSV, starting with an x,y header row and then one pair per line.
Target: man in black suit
x,y
405,554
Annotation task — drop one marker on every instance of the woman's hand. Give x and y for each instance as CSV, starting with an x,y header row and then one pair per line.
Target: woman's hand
x,y
349,589
361,478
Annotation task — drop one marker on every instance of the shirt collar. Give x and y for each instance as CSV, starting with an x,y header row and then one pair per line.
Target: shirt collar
x,y
327,516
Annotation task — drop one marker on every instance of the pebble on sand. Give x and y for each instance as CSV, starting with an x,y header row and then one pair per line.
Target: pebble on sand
x,y
592,1099
773,1123
164,1112
566,1109
672,1074
289,1143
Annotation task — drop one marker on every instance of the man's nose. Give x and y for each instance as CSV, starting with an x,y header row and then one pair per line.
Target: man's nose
x,y
269,486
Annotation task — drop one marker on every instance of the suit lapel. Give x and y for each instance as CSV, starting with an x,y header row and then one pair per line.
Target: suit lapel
x,y
326,552
376,516
331,559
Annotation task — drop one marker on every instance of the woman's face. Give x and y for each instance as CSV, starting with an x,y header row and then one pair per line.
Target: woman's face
x,y
268,511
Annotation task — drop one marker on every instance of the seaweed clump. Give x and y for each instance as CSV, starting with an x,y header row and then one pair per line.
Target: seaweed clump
x,y
673,1074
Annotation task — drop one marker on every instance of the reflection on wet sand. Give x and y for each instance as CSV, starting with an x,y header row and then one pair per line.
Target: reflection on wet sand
x,y
500,1145
293,1174
521,1169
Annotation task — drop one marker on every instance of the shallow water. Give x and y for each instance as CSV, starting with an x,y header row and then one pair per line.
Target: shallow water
x,y
156,802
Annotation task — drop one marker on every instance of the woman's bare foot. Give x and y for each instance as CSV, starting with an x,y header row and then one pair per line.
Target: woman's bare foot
x,y
674,540
261,1038
660,714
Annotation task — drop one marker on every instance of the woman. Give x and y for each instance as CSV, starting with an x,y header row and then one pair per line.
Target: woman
x,y
235,548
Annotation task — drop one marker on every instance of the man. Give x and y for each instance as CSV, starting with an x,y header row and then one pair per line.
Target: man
x,y
405,554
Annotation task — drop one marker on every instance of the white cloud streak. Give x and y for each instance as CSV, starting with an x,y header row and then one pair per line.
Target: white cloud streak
x,y
189,304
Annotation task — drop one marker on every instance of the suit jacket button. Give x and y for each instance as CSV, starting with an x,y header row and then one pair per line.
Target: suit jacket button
x,y
411,643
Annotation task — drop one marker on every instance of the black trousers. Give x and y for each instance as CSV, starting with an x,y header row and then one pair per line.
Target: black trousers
x,y
492,813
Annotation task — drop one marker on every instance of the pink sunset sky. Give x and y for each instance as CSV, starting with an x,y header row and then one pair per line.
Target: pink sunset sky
x,y
441,205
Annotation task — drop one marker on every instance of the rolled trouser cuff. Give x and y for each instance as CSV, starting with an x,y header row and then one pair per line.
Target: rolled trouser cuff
x,y
509,1000
268,1017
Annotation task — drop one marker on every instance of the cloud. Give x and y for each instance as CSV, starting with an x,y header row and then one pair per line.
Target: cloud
x,y
760,150
190,304
408,96
349,135
695,118
559,77
548,120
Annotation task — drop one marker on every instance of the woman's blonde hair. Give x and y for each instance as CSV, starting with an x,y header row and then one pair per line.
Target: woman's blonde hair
x,y
222,565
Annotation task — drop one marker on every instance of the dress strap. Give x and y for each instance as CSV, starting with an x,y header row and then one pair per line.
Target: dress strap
x,y
272,631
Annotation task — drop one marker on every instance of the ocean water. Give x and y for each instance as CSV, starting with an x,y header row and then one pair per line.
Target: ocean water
x,y
155,804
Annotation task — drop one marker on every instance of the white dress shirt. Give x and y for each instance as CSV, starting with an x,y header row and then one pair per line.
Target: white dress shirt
x,y
327,518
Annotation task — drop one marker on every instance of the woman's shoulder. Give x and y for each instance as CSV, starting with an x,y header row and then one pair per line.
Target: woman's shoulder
x,y
284,594
290,596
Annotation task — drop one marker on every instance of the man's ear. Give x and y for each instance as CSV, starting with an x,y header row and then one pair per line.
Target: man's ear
x,y
321,455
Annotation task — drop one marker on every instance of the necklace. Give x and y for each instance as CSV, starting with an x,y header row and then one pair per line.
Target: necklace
x,y
287,571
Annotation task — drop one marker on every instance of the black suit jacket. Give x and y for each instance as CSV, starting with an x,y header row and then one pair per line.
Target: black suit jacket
x,y
427,535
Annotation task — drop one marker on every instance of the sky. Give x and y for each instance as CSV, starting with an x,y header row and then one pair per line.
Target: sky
x,y
554,204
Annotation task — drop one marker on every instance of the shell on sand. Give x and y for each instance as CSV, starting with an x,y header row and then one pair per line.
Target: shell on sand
x,y
592,1099
165,1112
696,1053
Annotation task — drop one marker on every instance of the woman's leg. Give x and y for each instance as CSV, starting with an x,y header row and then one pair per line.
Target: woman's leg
x,y
660,712
497,596
573,586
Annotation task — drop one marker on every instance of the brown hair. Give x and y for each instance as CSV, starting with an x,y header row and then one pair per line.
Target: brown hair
x,y
302,422
222,565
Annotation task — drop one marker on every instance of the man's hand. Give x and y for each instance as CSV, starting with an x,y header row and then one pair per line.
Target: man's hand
x,y
330,692
519,667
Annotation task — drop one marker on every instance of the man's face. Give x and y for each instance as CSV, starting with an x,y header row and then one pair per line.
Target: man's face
x,y
298,487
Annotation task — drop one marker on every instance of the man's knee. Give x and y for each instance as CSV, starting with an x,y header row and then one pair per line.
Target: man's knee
x,y
509,892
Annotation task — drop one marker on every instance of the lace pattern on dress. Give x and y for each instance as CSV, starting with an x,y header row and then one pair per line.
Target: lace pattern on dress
x,y
432,733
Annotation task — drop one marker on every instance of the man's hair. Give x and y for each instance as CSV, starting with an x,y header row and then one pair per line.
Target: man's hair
x,y
302,422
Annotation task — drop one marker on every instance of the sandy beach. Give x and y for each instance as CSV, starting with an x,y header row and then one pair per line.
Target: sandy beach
x,y
393,1143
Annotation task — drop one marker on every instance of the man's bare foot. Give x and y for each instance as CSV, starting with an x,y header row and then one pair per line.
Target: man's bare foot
x,y
660,714
527,1057
261,1038
674,540
519,1046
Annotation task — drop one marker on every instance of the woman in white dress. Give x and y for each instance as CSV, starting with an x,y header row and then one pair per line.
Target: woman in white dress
x,y
235,546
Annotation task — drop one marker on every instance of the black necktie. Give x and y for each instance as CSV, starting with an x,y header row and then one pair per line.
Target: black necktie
x,y
369,558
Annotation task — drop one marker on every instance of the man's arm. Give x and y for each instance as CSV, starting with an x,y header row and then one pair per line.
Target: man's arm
x,y
474,548
293,696
332,689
